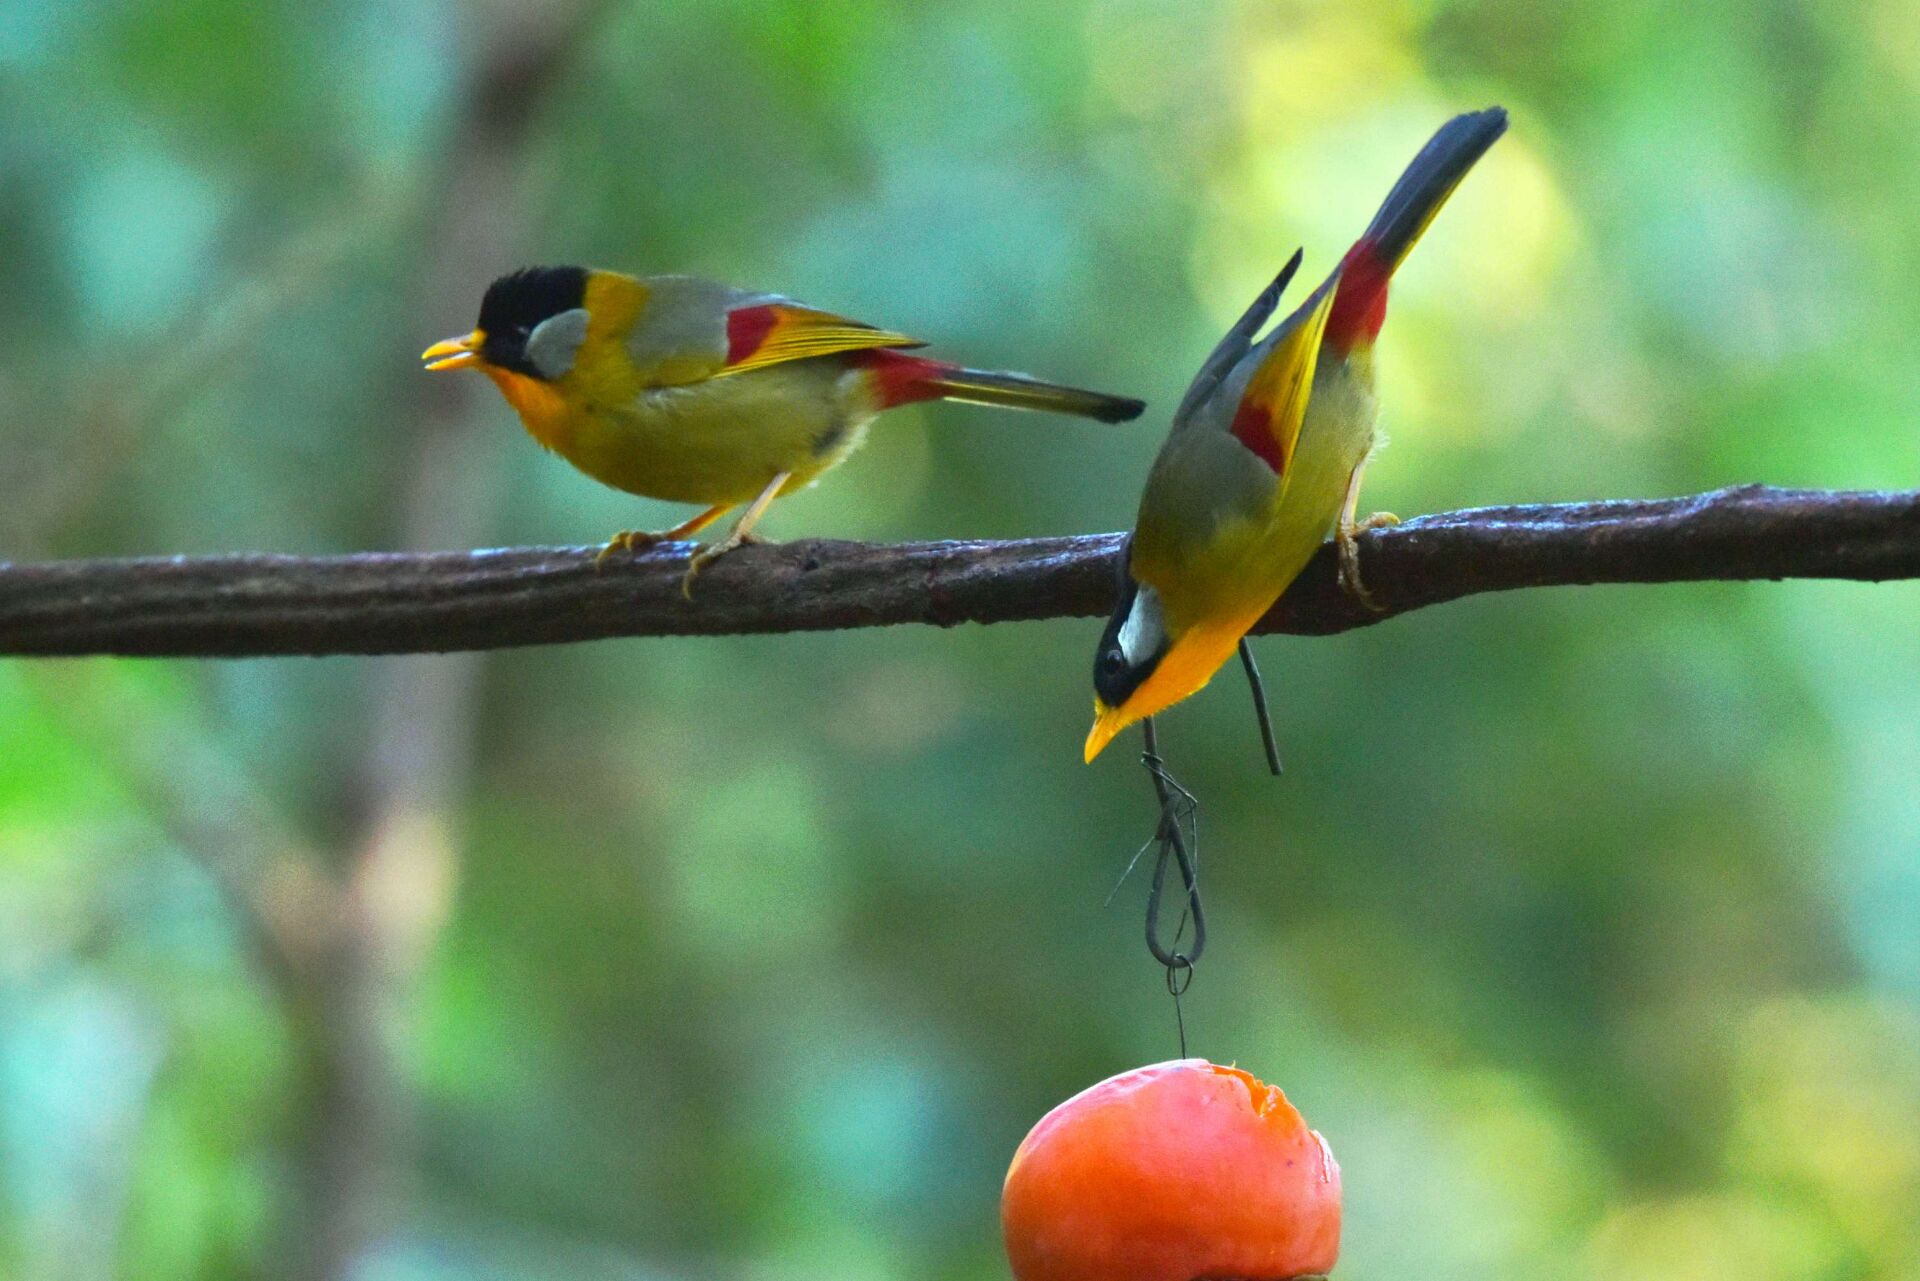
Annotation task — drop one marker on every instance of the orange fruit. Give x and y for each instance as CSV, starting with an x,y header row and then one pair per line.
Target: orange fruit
x,y
1179,1171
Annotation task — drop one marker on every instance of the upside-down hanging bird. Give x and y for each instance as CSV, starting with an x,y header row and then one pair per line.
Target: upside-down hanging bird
x,y
1265,455
685,389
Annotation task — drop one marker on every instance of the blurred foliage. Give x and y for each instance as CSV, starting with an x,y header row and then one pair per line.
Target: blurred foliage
x,y
1585,924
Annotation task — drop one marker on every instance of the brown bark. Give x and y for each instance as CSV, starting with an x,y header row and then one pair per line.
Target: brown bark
x,y
394,603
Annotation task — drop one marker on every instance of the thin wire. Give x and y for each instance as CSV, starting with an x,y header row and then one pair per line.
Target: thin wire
x,y
1260,706
1177,836
1176,988
1132,863
1176,804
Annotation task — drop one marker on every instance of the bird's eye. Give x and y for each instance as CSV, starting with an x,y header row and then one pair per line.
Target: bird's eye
x,y
1113,662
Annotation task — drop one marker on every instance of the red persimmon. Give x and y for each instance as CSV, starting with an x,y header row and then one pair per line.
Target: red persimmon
x,y
1181,1171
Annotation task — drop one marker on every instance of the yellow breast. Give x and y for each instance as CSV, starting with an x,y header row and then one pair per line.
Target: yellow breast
x,y
717,441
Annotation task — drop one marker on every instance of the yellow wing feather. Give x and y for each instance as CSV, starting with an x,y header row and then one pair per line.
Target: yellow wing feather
x,y
776,332
1275,402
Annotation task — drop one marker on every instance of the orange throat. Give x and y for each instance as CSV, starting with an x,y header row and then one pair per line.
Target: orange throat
x,y
542,409
1185,670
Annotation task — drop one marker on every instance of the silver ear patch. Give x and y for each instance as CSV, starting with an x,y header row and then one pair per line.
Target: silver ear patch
x,y
553,342
1141,635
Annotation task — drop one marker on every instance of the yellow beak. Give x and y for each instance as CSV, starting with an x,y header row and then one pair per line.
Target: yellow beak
x,y
1107,721
454,353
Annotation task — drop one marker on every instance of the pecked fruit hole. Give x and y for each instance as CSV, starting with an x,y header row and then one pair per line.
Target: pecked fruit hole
x,y
1181,1171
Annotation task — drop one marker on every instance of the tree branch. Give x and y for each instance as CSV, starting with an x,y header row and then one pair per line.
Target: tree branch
x,y
390,603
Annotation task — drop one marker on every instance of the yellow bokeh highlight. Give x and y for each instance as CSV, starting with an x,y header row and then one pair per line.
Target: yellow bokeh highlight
x,y
1719,1237
1830,1106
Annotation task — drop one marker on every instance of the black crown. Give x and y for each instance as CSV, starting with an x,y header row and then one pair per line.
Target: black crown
x,y
520,300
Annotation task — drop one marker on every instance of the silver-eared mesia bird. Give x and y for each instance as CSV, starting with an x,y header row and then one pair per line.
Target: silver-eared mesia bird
x,y
685,389
1264,456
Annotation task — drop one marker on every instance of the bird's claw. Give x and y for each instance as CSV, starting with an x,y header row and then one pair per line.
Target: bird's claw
x,y
704,557
627,540
707,555
1350,557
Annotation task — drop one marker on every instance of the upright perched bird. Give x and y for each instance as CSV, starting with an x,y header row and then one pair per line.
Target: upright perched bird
x,y
1265,455
693,391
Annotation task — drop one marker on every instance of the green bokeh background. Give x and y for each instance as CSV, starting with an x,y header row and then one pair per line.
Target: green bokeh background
x,y
1585,923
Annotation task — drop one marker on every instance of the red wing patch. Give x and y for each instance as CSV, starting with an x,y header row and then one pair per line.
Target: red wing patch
x,y
1253,427
747,329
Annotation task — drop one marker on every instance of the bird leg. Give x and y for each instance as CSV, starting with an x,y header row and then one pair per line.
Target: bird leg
x,y
1344,536
634,540
742,532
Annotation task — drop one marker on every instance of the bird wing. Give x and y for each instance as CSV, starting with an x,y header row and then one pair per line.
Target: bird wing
x,y
684,329
1224,463
1233,347
770,333
1268,417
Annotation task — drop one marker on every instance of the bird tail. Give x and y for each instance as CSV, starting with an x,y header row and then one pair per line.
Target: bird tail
x,y
901,379
1429,180
1360,306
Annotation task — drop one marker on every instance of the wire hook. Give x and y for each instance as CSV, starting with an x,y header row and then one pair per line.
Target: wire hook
x,y
1177,808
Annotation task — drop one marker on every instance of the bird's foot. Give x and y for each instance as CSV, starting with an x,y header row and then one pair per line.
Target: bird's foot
x,y
707,555
1345,537
629,540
